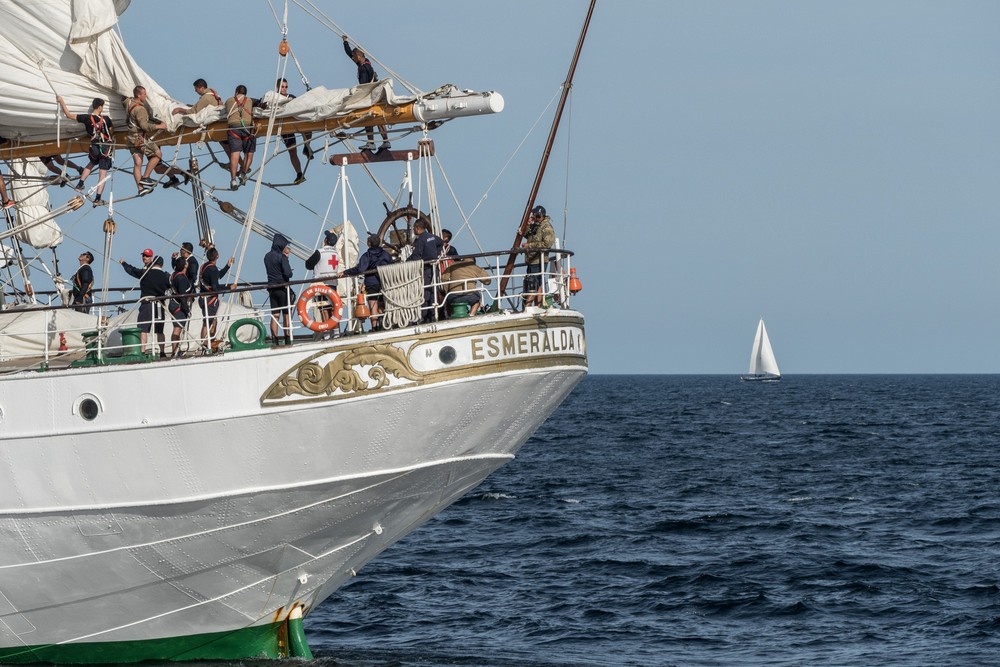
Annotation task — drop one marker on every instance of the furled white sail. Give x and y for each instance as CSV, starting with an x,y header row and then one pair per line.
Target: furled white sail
x,y
72,48
32,205
68,48
762,361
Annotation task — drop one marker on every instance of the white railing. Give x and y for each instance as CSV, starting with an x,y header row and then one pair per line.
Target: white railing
x,y
110,334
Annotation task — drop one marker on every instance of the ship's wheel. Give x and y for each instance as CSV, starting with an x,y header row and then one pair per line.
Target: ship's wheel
x,y
396,231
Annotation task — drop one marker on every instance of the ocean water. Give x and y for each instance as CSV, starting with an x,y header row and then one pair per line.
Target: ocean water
x,y
671,520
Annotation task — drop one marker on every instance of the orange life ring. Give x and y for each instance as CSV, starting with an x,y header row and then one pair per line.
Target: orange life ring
x,y
308,295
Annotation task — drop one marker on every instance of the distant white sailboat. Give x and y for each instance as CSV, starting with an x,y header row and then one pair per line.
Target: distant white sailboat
x,y
763,365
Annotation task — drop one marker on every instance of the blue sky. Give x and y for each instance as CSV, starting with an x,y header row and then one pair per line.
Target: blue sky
x,y
830,166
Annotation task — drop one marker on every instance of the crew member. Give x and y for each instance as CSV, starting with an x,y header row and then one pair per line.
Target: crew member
x,y
153,282
102,143
242,135
289,139
209,286
366,74
141,125
426,247
83,283
180,305
539,236
279,272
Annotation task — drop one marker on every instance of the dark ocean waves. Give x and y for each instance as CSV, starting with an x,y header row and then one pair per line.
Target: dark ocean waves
x,y
701,521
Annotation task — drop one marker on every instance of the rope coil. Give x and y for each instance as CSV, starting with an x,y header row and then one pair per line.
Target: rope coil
x,y
403,291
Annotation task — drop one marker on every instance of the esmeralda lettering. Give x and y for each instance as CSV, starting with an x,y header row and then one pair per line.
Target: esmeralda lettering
x,y
500,346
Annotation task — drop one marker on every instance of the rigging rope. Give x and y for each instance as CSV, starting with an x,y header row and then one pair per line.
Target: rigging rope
x,y
41,68
516,151
282,64
569,162
458,205
109,233
328,23
291,52
403,291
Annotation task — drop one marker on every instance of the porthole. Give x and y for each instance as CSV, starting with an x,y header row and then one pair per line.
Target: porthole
x,y
447,354
87,407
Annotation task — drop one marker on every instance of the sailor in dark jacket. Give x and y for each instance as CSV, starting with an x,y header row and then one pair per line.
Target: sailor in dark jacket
x,y
180,305
279,271
190,262
373,258
209,286
366,74
426,247
83,282
153,282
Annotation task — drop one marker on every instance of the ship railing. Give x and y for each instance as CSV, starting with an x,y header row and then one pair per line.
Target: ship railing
x,y
554,280
110,334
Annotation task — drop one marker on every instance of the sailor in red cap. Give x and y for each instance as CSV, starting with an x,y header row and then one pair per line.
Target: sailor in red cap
x,y
153,282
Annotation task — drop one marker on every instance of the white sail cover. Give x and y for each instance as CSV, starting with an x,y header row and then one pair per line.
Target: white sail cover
x,y
347,252
32,205
72,48
313,105
27,334
68,48
762,361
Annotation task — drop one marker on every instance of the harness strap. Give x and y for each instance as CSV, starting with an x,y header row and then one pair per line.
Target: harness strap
x,y
201,276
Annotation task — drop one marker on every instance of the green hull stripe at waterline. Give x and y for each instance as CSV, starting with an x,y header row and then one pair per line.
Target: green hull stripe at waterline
x,y
298,647
262,641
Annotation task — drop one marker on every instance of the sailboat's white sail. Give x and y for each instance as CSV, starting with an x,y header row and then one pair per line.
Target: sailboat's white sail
x,y
763,365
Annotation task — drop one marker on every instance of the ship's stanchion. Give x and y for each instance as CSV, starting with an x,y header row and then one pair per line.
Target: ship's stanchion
x,y
298,647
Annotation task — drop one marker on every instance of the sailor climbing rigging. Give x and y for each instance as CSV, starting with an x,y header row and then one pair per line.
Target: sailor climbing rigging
x,y
141,128
242,135
102,143
366,74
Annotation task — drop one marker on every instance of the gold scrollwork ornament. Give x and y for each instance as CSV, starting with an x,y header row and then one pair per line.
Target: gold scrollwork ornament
x,y
309,378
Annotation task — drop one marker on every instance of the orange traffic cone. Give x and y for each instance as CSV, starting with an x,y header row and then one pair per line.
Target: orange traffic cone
x,y
574,283
361,311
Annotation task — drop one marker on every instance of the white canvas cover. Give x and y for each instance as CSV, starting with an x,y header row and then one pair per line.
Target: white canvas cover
x,y
314,105
33,204
24,333
347,253
72,48
68,48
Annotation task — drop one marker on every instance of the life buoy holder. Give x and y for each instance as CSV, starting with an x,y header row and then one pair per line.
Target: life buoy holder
x,y
258,343
311,293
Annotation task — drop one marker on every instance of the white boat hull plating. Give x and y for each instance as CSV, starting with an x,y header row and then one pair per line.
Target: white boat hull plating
x,y
194,504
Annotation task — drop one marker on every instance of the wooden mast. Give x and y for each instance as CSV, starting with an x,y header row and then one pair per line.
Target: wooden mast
x,y
567,86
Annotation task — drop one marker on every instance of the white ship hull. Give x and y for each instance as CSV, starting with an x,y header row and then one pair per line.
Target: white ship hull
x,y
211,497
